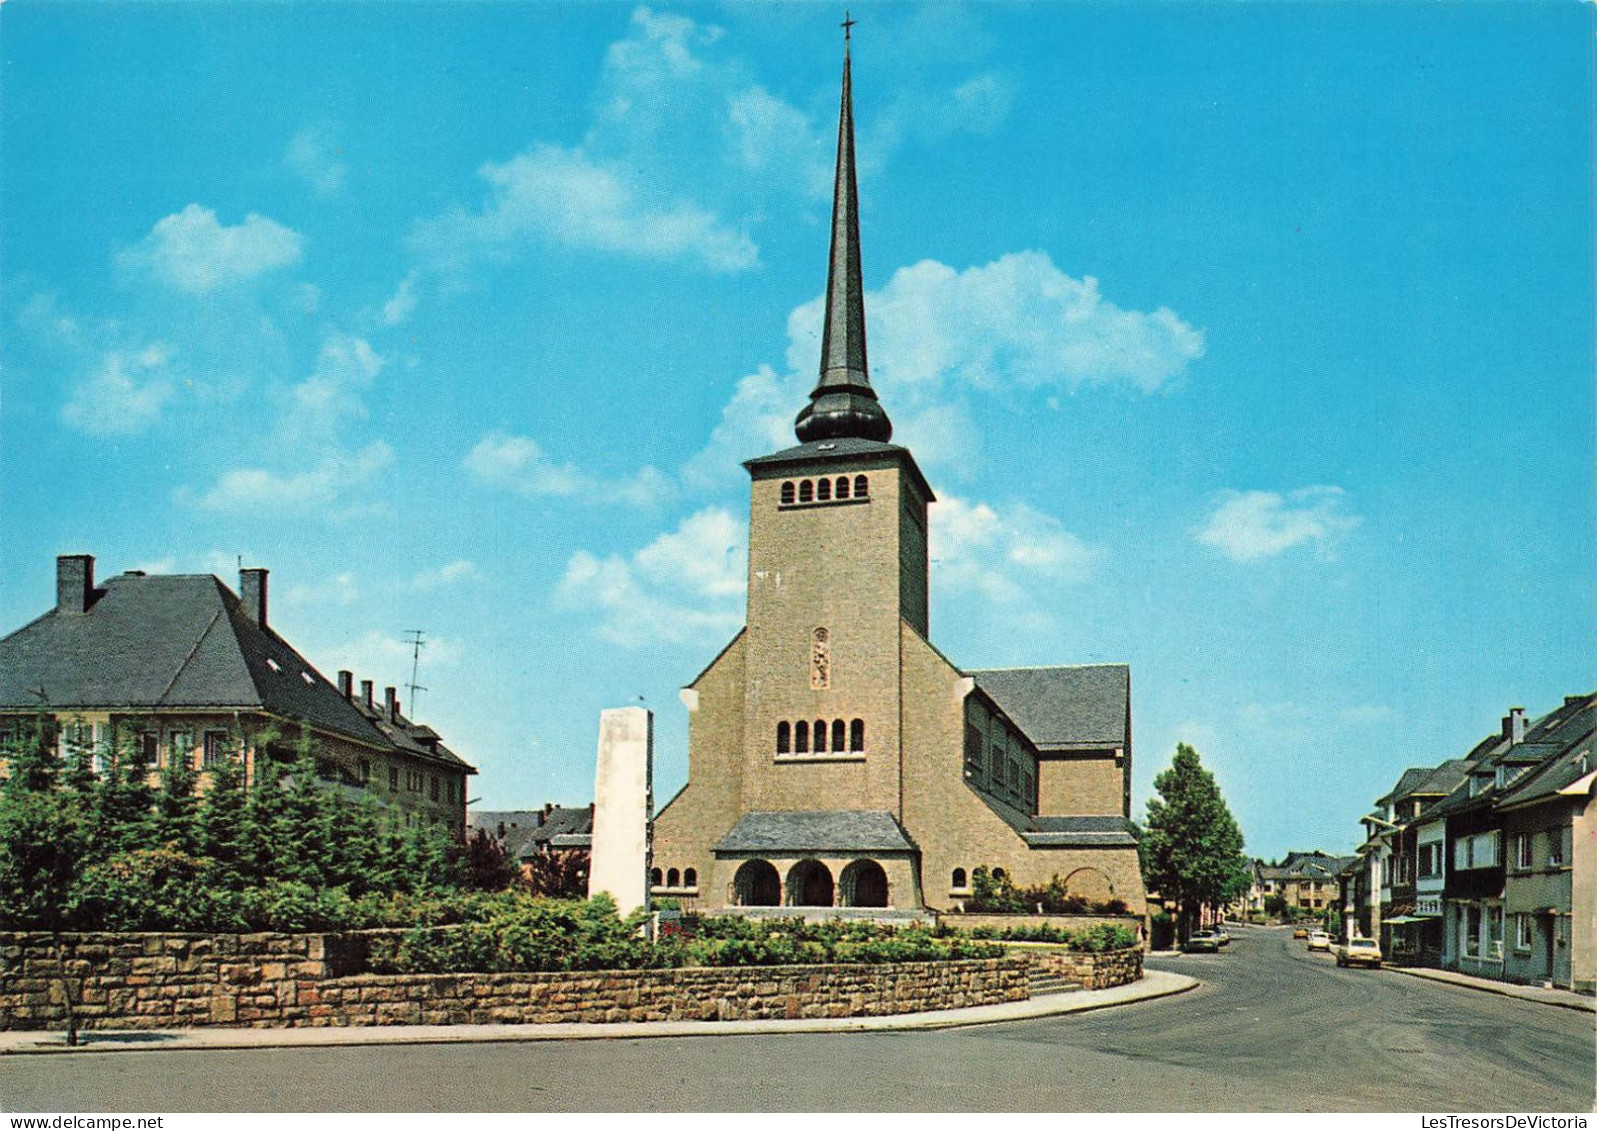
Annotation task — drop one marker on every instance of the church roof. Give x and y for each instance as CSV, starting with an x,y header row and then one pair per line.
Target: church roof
x,y
1066,708
843,404
1080,832
837,831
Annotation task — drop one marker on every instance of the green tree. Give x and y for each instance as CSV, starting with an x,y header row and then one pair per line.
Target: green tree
x,y
41,832
1192,850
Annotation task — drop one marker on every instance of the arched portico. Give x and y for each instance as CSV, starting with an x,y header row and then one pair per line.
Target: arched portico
x,y
757,885
864,884
809,884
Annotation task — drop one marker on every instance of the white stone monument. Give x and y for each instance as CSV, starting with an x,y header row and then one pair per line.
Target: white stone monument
x,y
623,796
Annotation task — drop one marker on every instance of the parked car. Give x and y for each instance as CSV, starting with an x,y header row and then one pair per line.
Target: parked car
x,y
1219,932
1300,933
1359,952
1319,940
1203,940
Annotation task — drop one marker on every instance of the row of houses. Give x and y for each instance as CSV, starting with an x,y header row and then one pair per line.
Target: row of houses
x,y
1487,863
1308,881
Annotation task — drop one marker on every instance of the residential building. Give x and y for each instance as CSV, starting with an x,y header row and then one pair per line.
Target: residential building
x,y
836,757
528,833
1307,880
187,669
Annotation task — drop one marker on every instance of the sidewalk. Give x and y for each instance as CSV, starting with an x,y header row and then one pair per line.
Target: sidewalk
x,y
1564,999
1154,984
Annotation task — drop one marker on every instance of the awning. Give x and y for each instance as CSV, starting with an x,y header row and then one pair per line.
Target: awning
x,y
1394,921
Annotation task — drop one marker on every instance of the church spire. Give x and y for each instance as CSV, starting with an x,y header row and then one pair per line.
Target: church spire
x,y
843,404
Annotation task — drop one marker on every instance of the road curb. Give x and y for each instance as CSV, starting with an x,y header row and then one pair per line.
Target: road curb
x,y
1153,985
1503,989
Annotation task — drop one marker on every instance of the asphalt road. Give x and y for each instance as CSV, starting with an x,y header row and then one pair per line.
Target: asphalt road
x,y
1273,1028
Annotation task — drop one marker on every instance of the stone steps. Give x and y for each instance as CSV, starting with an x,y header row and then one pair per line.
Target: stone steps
x,y
1041,984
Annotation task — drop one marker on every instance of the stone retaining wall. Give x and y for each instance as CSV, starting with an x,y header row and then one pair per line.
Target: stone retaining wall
x,y
157,981
1092,971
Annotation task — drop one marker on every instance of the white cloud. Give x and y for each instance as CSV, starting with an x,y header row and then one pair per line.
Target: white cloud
x,y
684,587
939,334
166,564
1013,555
193,252
773,137
386,659
346,365
1248,525
402,304
124,394
564,196
443,576
326,486
1016,321
341,589
314,155
519,464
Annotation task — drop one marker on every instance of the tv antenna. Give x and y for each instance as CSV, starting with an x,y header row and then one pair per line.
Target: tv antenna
x,y
415,637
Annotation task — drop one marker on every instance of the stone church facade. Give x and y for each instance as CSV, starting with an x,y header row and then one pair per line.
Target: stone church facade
x,y
836,758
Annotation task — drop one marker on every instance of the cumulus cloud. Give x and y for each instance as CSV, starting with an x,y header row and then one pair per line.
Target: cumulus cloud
x,y
314,155
939,334
1246,526
402,304
334,392
563,196
450,573
327,487
124,394
519,464
686,586
771,136
193,252
1011,555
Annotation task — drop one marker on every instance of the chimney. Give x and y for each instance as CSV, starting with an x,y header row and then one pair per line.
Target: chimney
x,y
346,684
1514,725
252,592
74,583
366,692
390,704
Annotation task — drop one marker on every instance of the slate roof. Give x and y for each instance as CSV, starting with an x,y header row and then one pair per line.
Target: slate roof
x,y
1406,784
182,642
1573,760
826,831
1082,707
1080,832
530,831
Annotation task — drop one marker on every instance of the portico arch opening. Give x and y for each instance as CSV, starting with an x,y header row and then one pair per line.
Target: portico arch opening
x,y
757,885
809,884
864,884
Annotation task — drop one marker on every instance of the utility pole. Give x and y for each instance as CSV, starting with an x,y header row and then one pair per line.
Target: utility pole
x,y
415,638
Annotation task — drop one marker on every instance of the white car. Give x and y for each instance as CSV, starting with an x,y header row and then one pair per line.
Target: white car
x,y
1319,940
1360,952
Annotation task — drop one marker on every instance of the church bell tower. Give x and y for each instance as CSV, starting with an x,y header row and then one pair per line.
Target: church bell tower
x,y
837,565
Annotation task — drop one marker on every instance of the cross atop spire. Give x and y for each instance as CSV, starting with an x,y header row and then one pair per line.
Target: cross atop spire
x,y
843,402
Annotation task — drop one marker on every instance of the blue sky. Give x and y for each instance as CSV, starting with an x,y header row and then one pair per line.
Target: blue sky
x,y
1248,344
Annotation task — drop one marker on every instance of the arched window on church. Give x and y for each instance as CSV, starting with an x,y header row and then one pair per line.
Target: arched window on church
x,y
654,877
999,873
690,878
958,878
784,738
823,491
862,486
801,737
787,493
856,735
842,486
820,736
806,491
839,735
673,879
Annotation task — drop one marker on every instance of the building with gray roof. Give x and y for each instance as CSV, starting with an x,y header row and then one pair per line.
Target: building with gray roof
x,y
185,667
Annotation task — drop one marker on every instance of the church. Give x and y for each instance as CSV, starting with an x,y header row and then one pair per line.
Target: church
x,y
836,758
